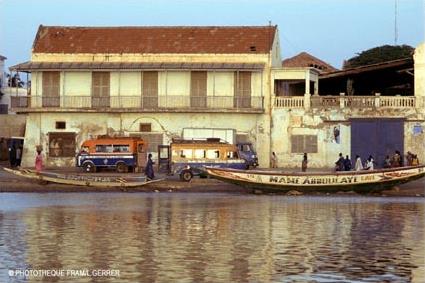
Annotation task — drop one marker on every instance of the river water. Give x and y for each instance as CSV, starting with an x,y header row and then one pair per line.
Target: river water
x,y
188,237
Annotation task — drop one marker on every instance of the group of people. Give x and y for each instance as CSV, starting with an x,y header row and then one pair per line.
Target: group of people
x,y
412,159
397,160
344,164
15,155
368,165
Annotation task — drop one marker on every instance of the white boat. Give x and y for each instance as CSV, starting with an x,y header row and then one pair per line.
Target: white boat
x,y
358,181
100,181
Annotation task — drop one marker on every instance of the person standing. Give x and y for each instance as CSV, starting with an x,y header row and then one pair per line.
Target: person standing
x,y
415,160
387,162
369,163
274,160
340,163
396,160
149,168
304,163
358,165
347,163
18,156
39,160
409,157
12,155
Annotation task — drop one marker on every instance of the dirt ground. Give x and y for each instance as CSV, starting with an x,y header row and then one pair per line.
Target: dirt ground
x,y
12,183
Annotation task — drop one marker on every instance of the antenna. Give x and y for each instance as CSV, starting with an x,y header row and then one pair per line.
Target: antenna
x,y
395,23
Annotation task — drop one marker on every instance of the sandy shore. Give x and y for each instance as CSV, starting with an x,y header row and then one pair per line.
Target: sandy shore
x,y
12,183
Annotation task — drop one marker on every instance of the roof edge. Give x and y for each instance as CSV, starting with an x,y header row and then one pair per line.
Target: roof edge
x,y
367,67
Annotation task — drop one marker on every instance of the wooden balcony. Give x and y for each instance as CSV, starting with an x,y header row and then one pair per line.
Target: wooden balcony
x,y
174,103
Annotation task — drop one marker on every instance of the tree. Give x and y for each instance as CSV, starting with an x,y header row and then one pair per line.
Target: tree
x,y
379,54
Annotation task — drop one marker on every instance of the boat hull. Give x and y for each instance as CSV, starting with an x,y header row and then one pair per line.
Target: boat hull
x,y
82,180
274,181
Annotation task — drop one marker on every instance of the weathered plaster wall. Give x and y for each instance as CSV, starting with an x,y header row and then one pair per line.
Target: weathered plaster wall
x,y
414,141
419,58
12,125
298,122
276,59
287,122
3,80
87,125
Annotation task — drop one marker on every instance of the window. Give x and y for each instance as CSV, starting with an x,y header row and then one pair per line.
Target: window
x,y
104,148
183,153
60,125
100,89
150,90
304,143
198,89
200,153
62,144
50,93
213,154
145,127
242,98
121,148
232,155
245,147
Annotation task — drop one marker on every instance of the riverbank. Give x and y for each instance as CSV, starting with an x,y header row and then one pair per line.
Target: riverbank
x,y
13,183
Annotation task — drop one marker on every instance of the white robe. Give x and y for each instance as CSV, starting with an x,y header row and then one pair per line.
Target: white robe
x,y
369,164
358,166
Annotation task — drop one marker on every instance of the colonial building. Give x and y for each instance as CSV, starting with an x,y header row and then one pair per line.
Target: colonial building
x,y
154,82
370,110
147,81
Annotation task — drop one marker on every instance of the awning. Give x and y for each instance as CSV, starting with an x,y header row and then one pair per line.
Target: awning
x,y
60,66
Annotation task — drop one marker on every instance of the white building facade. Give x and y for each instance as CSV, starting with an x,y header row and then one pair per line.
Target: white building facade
x,y
154,82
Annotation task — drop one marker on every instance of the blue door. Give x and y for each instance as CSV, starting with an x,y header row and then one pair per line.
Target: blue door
x,y
376,137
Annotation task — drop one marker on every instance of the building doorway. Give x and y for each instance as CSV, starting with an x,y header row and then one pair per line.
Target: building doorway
x,y
376,137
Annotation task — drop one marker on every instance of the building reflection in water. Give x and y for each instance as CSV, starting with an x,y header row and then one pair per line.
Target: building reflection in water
x,y
218,237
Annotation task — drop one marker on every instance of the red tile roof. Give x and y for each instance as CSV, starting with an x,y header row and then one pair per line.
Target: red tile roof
x,y
306,60
196,39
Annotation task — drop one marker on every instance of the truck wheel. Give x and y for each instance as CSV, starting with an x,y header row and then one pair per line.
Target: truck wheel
x,y
186,175
122,168
89,167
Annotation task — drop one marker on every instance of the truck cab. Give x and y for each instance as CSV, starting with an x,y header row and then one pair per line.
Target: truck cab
x,y
247,152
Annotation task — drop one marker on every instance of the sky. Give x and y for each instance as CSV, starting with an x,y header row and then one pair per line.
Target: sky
x,y
332,30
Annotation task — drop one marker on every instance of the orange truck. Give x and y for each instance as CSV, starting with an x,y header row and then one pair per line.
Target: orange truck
x,y
123,154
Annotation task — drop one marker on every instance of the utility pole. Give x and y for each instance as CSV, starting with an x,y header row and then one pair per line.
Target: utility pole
x,y
395,23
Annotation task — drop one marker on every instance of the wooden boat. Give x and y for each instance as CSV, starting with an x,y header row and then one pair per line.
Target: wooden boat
x,y
83,180
358,181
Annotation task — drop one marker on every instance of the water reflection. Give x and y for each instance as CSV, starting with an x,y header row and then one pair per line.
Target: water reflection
x,y
214,237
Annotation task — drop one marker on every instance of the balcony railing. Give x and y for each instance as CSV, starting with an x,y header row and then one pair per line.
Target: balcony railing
x,y
289,102
342,101
156,103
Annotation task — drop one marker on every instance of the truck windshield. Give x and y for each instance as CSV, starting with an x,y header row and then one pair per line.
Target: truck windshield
x,y
245,147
